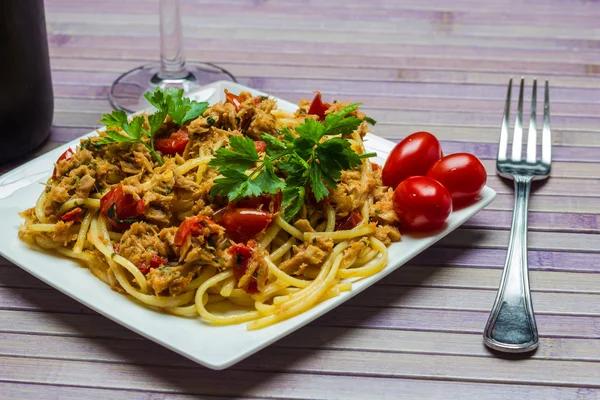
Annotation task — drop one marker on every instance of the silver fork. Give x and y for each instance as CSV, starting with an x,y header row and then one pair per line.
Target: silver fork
x,y
511,325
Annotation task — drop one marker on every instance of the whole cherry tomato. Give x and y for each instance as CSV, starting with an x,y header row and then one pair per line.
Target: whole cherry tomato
x,y
242,224
175,143
413,156
462,174
422,203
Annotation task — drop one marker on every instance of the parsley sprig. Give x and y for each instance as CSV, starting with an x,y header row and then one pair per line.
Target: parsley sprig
x,y
170,102
292,163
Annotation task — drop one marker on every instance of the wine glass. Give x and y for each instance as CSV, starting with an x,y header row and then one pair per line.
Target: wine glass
x,y
127,92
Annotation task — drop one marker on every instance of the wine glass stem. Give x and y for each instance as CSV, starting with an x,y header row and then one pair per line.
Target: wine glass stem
x,y
172,58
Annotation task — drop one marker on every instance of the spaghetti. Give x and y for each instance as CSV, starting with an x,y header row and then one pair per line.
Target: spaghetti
x,y
157,233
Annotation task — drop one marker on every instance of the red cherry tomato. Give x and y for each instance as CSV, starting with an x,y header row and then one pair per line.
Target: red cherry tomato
x,y
422,203
317,107
462,174
242,224
194,226
413,156
120,209
175,143
260,146
64,156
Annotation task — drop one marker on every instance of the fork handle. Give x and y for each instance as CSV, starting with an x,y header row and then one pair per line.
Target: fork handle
x,y
511,325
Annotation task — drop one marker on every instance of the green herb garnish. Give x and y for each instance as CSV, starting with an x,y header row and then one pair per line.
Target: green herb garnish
x,y
292,163
170,102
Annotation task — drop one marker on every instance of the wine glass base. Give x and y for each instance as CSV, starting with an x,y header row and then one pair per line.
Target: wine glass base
x,y
127,92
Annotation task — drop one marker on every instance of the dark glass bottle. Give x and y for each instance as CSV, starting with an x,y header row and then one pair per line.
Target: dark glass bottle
x,y
26,98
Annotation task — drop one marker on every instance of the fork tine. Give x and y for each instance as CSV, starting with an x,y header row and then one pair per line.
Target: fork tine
x,y
532,131
546,134
503,145
518,135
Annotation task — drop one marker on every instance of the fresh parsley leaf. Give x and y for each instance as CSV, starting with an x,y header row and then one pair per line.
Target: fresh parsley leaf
x,y
134,128
316,183
242,156
115,119
311,131
337,153
157,99
287,134
334,118
133,131
156,120
344,127
274,145
182,110
370,121
196,110
267,180
235,184
291,201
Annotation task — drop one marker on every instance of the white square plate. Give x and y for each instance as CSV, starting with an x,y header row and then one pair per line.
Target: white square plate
x,y
211,346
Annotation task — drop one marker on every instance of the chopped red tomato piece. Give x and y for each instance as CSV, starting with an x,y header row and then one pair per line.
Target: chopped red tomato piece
x,y
243,224
348,222
155,262
75,214
64,156
264,202
260,99
120,208
317,107
233,99
241,255
173,144
260,146
194,226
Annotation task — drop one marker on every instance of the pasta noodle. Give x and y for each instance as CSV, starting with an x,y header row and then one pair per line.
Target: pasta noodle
x,y
173,251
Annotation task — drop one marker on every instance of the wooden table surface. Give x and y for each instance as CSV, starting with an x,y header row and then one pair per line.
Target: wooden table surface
x,y
436,65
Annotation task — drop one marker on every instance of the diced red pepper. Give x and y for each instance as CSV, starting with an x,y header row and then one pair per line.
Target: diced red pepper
x,y
317,107
260,146
75,214
175,143
120,208
241,255
348,222
233,99
194,226
64,156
